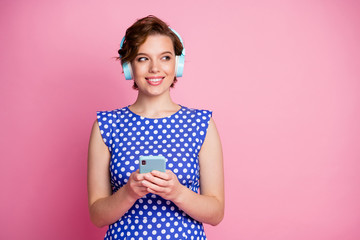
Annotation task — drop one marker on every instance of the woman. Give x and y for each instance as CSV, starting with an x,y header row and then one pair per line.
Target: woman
x,y
154,205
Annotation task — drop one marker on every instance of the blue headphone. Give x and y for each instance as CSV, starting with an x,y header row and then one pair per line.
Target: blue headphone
x,y
179,65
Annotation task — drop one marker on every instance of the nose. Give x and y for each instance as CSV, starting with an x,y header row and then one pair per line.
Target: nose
x,y
154,67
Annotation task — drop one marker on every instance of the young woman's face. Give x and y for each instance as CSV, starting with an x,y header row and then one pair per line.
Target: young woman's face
x,y
154,65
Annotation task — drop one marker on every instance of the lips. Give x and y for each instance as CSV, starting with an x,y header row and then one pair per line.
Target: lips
x,y
154,81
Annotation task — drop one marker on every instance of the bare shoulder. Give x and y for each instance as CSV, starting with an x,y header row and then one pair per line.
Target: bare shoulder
x,y
96,144
211,155
95,130
211,164
212,138
98,164
212,126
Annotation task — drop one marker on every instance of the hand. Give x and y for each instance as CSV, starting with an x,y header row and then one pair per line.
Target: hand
x,y
134,186
163,184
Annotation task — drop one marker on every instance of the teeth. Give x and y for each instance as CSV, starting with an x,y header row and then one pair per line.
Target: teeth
x,y
155,80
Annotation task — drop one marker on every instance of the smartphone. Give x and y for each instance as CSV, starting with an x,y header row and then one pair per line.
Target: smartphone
x,y
149,163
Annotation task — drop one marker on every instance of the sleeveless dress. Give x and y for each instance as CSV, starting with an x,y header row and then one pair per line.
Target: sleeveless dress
x,y
178,138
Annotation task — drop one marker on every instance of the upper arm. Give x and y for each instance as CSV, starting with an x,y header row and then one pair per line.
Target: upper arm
x,y
98,167
211,164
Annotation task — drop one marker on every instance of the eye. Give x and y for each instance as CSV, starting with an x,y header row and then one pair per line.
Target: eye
x,y
141,59
166,58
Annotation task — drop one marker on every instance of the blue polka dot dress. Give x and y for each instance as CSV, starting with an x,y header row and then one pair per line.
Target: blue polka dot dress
x,y
178,138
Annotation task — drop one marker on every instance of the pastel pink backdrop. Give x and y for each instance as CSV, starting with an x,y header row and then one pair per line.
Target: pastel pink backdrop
x,y
282,78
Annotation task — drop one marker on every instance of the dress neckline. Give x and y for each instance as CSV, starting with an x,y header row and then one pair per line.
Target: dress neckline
x,y
142,117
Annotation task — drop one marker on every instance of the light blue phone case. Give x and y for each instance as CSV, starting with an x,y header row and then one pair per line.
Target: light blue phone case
x,y
149,163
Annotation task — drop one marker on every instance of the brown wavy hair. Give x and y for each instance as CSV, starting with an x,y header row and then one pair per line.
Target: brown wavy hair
x,y
137,34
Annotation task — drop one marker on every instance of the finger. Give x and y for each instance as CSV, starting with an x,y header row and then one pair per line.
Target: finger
x,y
135,183
156,180
162,175
138,184
140,187
153,187
141,190
154,192
139,176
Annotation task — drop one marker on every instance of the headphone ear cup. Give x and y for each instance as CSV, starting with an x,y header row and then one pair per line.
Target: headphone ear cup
x,y
126,66
179,65
127,71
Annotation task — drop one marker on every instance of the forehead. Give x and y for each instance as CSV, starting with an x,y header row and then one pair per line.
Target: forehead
x,y
155,44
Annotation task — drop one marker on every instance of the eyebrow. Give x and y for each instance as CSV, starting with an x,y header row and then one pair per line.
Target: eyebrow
x,y
166,52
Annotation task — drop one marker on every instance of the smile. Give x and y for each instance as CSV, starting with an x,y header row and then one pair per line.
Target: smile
x,y
154,81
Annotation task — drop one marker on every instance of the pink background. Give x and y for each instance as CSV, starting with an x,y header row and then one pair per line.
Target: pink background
x,y
282,77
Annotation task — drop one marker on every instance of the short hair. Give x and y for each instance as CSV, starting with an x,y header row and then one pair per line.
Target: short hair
x,y
137,34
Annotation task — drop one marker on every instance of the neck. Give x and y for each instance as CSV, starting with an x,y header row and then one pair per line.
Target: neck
x,y
154,106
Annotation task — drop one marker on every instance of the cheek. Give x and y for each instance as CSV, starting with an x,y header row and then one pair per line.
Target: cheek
x,y
139,69
169,69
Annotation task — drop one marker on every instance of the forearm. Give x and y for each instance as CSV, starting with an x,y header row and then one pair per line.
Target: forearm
x,y
203,208
108,210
